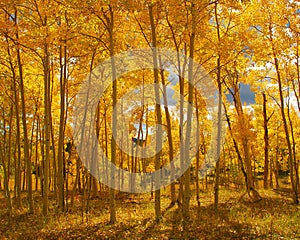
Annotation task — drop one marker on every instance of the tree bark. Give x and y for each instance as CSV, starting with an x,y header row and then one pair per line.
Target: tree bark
x,y
219,84
286,130
112,203
169,134
158,114
24,123
60,151
266,140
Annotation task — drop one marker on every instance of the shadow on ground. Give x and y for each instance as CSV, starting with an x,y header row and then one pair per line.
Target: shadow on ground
x,y
271,218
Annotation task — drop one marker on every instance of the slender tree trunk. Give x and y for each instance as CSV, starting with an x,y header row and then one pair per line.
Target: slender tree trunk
x,y
236,146
17,186
112,203
24,123
266,140
53,150
219,83
187,174
284,118
37,164
6,177
295,162
286,130
181,70
4,157
198,152
244,132
47,127
158,114
60,151
217,179
170,139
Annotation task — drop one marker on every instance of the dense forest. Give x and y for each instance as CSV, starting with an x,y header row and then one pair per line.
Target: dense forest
x,y
174,119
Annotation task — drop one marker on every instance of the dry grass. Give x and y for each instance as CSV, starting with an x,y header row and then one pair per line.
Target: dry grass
x,y
275,217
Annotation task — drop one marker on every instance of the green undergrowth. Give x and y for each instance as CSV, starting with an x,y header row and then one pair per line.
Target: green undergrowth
x,y
274,217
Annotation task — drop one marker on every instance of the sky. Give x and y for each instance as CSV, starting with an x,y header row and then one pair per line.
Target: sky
x,y
247,96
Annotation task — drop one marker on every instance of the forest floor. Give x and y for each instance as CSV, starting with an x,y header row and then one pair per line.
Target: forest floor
x,y
274,217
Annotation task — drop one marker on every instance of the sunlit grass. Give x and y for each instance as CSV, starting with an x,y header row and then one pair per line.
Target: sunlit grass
x,y
275,217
